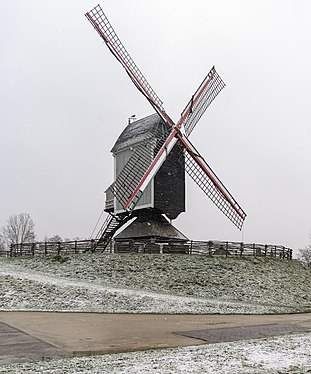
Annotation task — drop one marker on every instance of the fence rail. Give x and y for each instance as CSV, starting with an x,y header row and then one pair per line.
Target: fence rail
x,y
211,248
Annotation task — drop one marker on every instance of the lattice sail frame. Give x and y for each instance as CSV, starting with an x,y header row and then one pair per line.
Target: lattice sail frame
x,y
102,25
136,166
210,187
200,101
196,166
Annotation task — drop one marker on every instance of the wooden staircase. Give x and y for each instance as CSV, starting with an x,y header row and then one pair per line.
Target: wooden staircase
x,y
108,229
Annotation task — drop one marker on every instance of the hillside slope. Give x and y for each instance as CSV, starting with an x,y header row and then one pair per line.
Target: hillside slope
x,y
155,283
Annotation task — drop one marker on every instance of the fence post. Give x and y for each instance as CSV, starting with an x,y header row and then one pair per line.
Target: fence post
x,y
45,248
210,244
190,250
254,251
11,250
241,248
92,245
33,249
58,248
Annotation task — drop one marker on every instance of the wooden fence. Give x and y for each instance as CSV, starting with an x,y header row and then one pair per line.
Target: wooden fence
x,y
49,248
211,248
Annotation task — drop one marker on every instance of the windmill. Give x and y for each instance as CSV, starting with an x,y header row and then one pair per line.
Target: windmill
x,y
166,141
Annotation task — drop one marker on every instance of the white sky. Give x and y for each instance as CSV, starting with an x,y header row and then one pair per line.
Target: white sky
x,y
64,101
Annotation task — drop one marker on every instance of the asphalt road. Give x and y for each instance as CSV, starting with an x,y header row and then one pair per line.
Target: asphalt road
x,y
29,336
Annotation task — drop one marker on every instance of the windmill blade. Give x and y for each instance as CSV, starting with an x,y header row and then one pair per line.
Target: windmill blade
x,y
210,184
101,24
141,168
197,167
131,174
137,165
200,101
129,195
208,90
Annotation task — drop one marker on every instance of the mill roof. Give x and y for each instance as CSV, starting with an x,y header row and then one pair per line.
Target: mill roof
x,y
138,131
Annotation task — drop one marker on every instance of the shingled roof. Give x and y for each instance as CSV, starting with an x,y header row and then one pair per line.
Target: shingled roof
x,y
139,131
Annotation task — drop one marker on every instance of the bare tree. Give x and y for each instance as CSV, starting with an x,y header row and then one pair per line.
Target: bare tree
x,y
2,243
55,239
305,255
20,228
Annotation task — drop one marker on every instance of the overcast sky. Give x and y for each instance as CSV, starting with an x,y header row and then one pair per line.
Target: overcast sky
x,y
64,100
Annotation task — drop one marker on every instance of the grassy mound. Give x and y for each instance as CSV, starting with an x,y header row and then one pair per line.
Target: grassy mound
x,y
261,280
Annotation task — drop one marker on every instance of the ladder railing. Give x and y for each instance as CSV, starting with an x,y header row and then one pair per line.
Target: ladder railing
x,y
108,229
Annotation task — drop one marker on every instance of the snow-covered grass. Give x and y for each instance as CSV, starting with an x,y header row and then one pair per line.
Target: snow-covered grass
x,y
142,283
282,355
138,283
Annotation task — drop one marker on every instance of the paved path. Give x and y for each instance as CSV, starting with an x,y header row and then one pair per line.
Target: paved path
x,y
27,336
17,346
